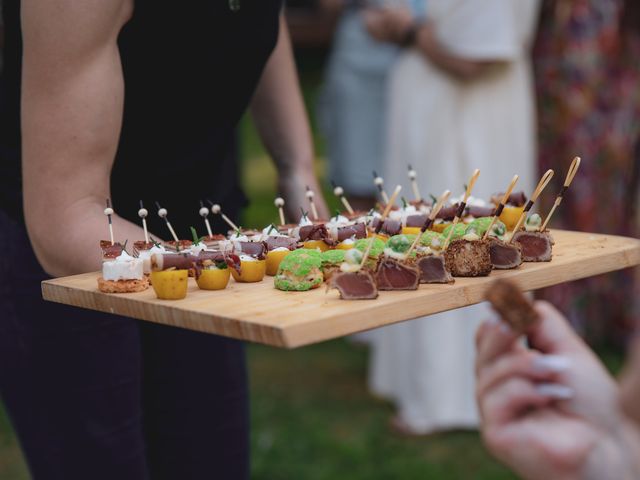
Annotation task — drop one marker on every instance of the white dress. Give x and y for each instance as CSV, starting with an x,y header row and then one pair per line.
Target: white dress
x,y
445,128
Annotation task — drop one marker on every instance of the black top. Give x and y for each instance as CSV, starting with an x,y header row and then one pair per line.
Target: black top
x,y
190,69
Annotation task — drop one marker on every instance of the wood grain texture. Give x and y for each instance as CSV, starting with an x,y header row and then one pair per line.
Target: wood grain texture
x,y
259,313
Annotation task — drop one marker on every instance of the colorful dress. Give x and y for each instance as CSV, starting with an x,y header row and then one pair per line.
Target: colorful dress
x,y
588,84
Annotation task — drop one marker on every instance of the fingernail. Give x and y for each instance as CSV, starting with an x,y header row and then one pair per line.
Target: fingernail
x,y
492,319
554,390
551,363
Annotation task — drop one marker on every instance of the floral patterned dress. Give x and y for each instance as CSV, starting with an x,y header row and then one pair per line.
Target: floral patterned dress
x,y
587,69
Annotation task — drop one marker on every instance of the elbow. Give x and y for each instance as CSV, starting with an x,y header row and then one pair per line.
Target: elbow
x,y
41,247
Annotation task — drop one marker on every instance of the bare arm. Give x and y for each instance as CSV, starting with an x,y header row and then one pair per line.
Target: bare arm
x,y
281,120
72,104
454,65
394,25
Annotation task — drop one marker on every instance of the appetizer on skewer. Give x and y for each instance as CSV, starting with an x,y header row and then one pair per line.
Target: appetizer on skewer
x,y
353,281
536,246
121,273
466,254
504,255
535,239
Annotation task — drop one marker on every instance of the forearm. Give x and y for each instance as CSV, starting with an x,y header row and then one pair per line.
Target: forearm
x,y
72,102
279,112
447,61
281,119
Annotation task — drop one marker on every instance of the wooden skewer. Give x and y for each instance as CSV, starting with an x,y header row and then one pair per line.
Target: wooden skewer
x,y
339,192
430,219
108,212
544,181
162,213
499,208
314,210
142,213
573,169
279,203
385,213
204,213
414,184
379,182
217,210
463,204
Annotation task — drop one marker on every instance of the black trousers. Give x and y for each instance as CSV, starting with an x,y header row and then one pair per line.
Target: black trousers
x,y
97,396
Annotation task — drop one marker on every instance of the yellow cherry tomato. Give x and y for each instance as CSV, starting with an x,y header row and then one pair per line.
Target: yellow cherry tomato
x,y
510,216
344,246
250,272
274,258
313,244
411,230
170,284
439,227
214,278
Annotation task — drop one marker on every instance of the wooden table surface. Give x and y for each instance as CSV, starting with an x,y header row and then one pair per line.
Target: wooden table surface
x,y
257,312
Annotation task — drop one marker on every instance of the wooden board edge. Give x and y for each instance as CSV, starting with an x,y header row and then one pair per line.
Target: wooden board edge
x,y
201,322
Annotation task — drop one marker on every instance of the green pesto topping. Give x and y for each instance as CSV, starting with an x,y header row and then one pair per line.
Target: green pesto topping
x,y
332,257
301,262
353,256
459,231
428,238
283,283
479,227
376,249
400,243
533,222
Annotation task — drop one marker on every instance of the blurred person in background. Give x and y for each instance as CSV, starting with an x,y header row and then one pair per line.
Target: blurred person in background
x,y
551,410
587,67
461,97
352,108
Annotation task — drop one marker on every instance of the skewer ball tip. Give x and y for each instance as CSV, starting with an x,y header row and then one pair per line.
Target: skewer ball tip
x,y
215,209
338,191
204,211
142,213
162,212
108,211
279,202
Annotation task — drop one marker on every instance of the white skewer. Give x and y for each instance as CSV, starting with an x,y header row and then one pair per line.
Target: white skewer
x,y
142,213
379,182
204,213
339,192
216,209
414,184
279,203
108,212
314,210
385,213
162,213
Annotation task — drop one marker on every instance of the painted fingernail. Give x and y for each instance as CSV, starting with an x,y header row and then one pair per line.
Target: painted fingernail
x,y
554,390
551,363
492,319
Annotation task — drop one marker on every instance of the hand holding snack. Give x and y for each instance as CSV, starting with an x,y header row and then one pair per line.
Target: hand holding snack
x,y
549,410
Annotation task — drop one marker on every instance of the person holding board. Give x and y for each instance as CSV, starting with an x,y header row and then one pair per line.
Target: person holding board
x,y
130,101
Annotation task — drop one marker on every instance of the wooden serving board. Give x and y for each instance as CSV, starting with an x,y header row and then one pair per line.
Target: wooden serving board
x,y
257,312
